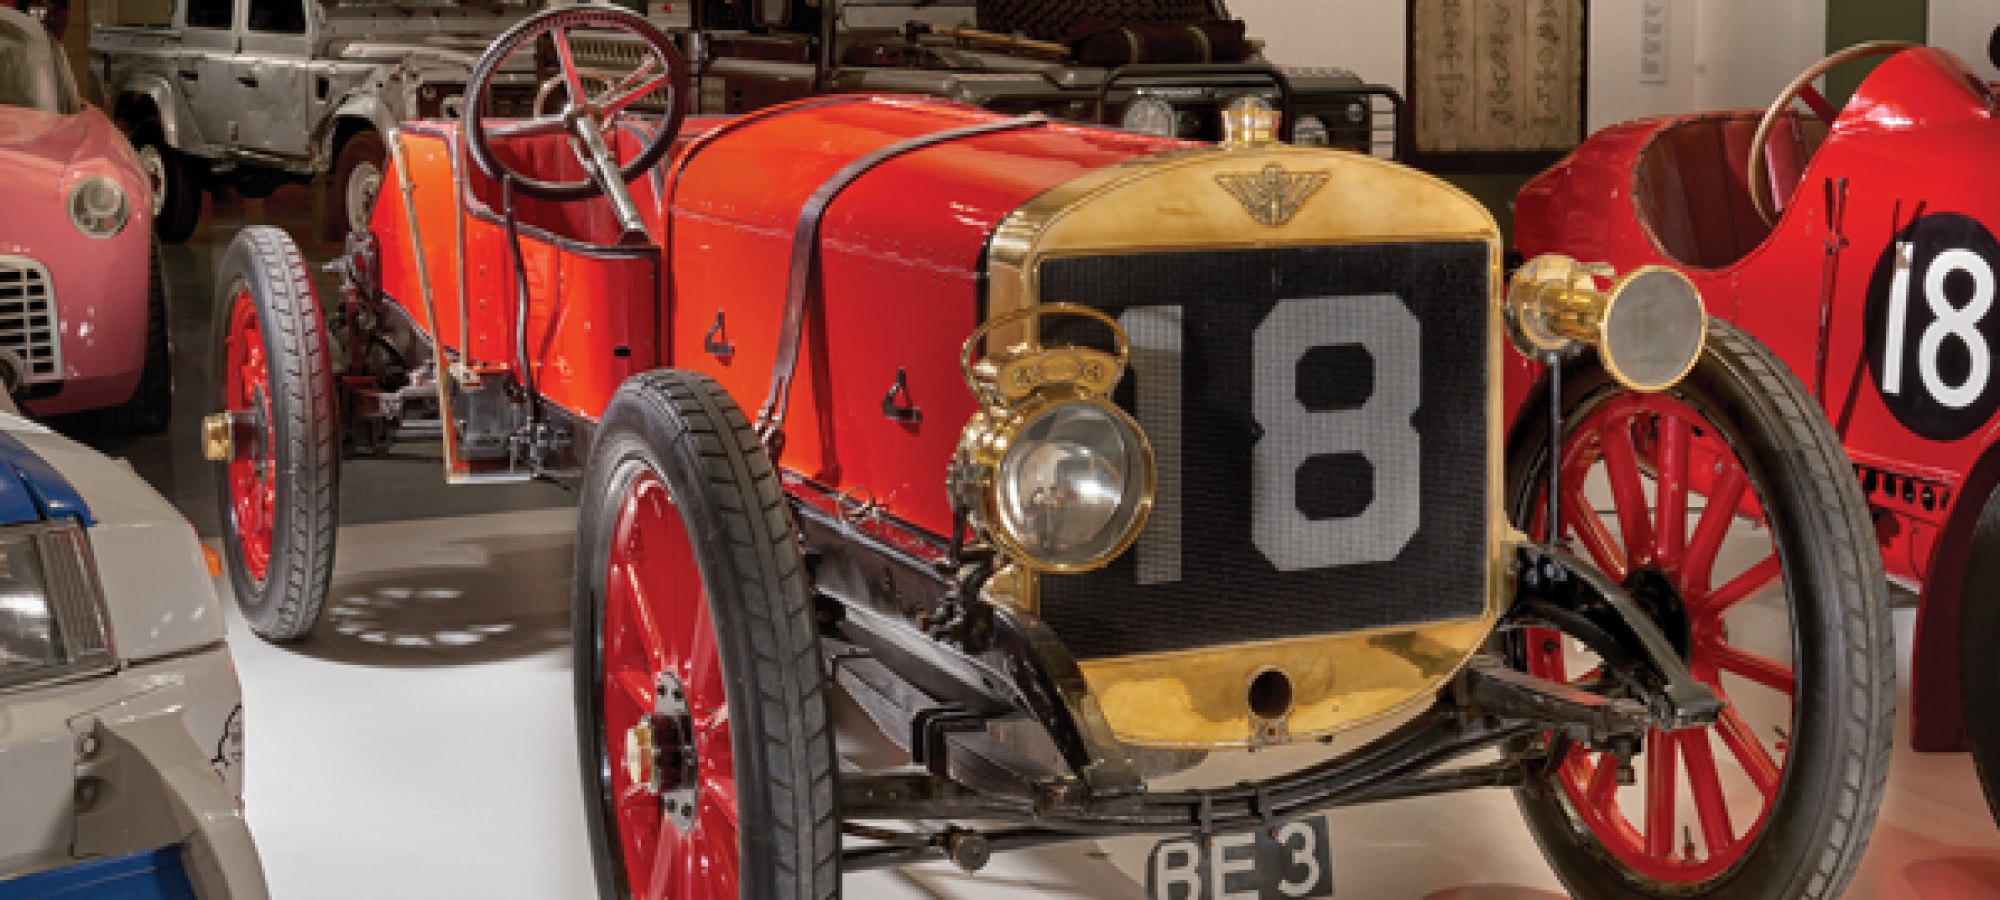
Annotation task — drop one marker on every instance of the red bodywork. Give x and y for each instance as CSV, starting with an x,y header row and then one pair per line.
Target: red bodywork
x,y
1910,155
901,253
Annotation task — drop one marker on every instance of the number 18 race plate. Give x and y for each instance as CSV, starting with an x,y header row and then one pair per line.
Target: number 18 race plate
x,y
1285,862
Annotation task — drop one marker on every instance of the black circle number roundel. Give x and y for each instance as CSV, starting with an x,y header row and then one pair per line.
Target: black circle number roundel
x,y
1933,327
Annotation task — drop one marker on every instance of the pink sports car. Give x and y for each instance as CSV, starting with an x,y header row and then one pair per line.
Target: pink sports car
x,y
82,307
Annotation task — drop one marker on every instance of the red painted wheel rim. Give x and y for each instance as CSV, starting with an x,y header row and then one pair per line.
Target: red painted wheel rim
x,y
657,621
253,481
1703,795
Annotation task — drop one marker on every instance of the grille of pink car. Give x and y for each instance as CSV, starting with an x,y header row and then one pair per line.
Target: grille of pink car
x,y
28,318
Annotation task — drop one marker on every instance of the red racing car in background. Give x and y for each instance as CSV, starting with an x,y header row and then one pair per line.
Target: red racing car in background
x,y
1859,244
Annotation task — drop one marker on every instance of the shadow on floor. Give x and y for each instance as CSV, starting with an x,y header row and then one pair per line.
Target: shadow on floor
x,y
1494,892
513,602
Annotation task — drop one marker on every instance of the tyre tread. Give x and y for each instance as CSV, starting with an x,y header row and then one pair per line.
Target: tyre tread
x,y
302,548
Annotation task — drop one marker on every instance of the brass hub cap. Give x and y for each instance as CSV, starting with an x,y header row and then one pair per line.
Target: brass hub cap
x,y
660,753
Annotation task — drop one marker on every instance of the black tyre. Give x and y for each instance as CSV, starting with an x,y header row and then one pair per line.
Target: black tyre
x,y
175,180
1778,799
1978,626
707,752
357,179
279,495
151,405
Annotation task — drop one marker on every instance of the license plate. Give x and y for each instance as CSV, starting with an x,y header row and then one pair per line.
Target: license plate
x,y
1284,862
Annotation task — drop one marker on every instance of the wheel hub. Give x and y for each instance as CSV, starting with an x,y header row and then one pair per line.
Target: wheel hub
x,y
660,752
155,167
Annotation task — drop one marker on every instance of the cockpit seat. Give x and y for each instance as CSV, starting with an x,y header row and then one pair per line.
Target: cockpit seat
x,y
548,157
1692,190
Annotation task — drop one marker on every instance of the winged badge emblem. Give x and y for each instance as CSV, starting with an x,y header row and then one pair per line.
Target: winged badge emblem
x,y
1273,196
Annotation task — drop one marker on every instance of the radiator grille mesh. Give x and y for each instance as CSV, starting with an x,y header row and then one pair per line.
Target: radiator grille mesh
x,y
1323,448
28,318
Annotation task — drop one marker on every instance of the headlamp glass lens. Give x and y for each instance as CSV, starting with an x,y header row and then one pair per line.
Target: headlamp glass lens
x,y
1655,329
1151,115
1311,131
1071,484
29,638
97,207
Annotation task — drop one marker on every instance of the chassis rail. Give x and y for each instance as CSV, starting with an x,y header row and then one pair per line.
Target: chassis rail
x,y
1395,766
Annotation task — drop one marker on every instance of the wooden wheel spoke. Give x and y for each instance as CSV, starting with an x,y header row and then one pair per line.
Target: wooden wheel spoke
x,y
1698,563
1739,589
722,790
704,666
1583,522
1660,794
1628,494
1670,492
1749,752
1760,669
718,837
636,796
1705,783
638,687
1603,788
643,618
669,869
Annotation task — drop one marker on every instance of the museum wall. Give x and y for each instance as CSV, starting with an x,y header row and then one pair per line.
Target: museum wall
x,y
1721,53
1963,26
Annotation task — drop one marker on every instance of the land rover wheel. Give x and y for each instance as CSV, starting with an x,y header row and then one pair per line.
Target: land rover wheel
x,y
707,755
357,178
151,405
278,465
175,183
1727,508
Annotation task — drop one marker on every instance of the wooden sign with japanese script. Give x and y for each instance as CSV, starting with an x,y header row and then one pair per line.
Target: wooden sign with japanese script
x,y
1496,75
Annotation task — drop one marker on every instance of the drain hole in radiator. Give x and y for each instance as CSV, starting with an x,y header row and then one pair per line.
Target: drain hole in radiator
x,y
1271,694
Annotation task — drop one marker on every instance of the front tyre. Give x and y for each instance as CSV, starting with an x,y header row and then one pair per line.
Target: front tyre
x,y
1978,665
706,750
151,405
174,180
357,179
278,496
1735,520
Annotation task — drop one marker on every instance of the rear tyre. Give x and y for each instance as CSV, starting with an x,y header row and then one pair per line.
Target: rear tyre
x,y
706,748
357,179
278,503
175,183
1777,800
1978,665
151,405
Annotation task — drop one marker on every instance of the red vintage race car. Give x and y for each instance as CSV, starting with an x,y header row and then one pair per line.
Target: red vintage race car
x,y
1069,455
1858,245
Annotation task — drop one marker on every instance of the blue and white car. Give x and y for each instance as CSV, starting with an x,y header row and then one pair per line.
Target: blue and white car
x,y
121,720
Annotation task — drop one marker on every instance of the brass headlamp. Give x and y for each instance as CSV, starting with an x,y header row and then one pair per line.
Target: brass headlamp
x,y
1055,474
1648,329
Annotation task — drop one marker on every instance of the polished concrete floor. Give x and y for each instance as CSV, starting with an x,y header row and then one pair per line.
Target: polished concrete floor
x,y
419,743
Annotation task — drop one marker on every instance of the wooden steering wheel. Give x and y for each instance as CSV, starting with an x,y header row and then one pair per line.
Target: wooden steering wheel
x,y
1756,170
587,120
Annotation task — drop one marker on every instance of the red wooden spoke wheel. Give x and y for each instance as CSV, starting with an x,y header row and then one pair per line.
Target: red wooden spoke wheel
x,y
1726,509
277,492
252,477
664,706
689,599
